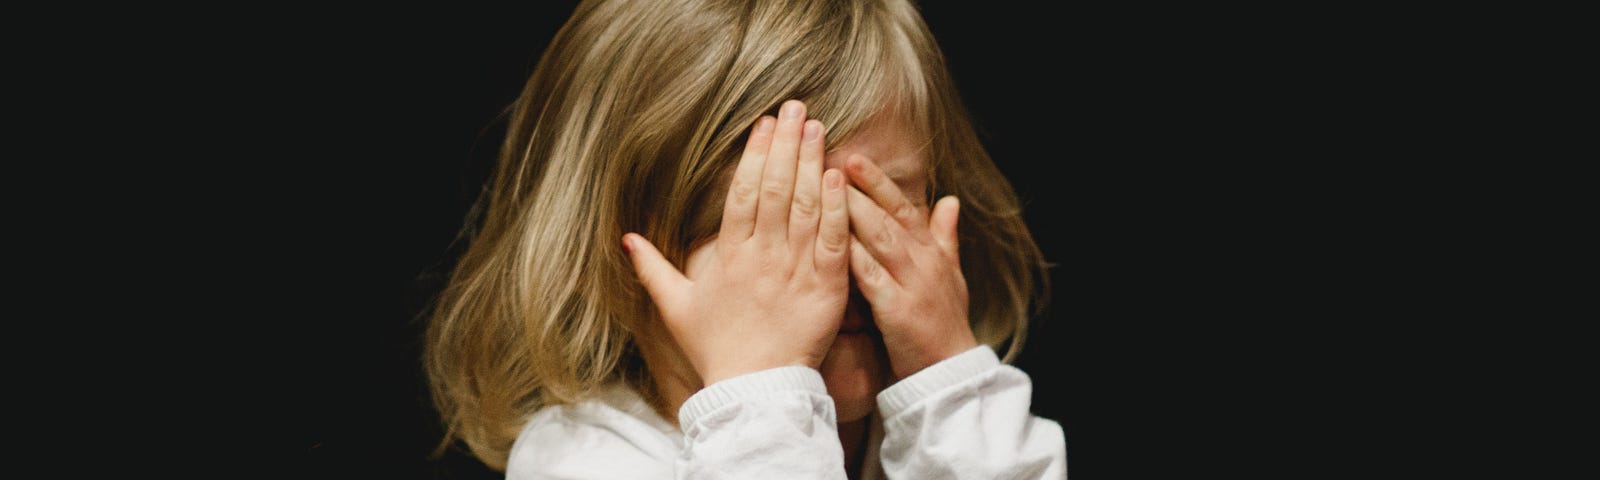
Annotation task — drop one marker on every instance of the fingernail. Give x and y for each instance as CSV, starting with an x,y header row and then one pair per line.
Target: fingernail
x,y
764,125
813,130
833,179
791,109
626,245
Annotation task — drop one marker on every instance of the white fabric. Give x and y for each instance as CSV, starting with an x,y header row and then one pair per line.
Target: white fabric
x,y
963,418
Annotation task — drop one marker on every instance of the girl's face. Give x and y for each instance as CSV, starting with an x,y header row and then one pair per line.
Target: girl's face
x,y
856,367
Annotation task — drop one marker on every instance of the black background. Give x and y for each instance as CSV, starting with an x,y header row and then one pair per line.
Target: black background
x,y
1177,164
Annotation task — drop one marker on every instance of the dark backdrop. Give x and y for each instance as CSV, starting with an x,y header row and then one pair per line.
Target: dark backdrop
x,y
1263,215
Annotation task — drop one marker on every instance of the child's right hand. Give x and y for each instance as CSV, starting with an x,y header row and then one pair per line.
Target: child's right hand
x,y
775,292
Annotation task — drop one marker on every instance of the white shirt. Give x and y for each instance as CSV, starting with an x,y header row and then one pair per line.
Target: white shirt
x,y
963,418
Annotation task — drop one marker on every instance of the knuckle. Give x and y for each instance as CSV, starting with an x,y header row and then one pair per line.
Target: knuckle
x,y
906,212
884,235
772,262
744,192
874,275
805,204
835,245
774,190
870,271
865,275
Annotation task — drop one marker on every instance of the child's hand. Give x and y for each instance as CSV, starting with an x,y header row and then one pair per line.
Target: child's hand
x,y
775,292
908,267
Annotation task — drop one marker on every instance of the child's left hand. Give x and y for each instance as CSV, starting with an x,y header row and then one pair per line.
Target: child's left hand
x,y
908,266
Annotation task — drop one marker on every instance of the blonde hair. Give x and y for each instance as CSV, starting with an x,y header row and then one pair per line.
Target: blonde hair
x,y
631,121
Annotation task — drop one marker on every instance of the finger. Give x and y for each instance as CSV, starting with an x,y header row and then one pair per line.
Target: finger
x,y
777,178
874,281
943,225
666,285
739,211
833,236
872,181
882,235
804,210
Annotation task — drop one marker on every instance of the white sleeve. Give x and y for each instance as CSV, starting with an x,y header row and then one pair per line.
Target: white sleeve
x,y
589,442
774,424
967,417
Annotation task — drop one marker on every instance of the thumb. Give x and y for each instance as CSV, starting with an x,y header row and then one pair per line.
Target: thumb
x,y
943,224
665,284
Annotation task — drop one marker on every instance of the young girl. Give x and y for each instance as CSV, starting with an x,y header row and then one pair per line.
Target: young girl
x,y
784,301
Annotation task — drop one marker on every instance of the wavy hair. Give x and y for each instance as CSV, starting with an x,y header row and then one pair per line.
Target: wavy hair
x,y
632,120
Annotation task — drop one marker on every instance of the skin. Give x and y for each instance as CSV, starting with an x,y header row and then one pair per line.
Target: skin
x,y
839,264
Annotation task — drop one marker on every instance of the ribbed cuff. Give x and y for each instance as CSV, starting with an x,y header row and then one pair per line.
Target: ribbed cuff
x,y
936,377
728,391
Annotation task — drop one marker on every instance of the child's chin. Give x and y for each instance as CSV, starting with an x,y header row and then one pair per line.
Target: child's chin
x,y
854,371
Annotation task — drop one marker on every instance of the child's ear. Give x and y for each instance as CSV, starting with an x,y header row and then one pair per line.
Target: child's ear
x,y
943,223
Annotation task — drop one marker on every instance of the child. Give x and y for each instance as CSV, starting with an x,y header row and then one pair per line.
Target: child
x,y
785,303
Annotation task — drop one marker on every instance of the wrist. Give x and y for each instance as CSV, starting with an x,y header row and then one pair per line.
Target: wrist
x,y
725,370
912,361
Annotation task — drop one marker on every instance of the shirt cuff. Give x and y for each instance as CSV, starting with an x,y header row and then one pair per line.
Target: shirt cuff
x,y
939,376
732,390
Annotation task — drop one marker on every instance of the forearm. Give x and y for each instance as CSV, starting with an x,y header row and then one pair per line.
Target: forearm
x,y
773,424
968,417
